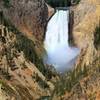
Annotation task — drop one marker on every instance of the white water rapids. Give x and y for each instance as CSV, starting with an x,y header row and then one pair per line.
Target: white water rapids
x,y
59,53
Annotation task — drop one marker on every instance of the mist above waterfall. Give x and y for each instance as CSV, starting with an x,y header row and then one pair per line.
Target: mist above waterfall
x,y
59,53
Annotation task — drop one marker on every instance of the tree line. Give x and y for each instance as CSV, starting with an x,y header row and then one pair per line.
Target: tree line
x,y
61,3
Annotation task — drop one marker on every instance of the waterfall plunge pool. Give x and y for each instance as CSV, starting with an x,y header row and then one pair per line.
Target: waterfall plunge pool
x,y
59,53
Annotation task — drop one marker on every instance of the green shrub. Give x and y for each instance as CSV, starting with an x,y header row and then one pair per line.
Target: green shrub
x,y
41,82
7,88
58,3
61,3
68,80
76,1
6,3
24,44
27,46
97,37
44,98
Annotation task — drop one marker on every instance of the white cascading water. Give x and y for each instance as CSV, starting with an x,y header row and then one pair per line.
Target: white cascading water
x,y
59,53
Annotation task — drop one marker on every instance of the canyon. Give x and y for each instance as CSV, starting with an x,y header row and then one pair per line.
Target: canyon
x,y
24,76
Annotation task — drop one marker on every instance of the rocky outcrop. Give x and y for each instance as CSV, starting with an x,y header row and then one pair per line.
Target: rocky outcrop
x,y
50,11
22,26
86,19
28,16
20,79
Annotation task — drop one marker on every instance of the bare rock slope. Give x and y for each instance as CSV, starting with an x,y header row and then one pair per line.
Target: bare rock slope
x,y
22,25
28,16
20,79
86,20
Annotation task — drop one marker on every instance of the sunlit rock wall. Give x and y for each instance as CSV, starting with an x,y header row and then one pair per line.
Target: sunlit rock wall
x,y
28,16
86,19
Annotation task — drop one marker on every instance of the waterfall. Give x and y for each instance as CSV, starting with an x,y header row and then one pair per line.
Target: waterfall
x,y
59,53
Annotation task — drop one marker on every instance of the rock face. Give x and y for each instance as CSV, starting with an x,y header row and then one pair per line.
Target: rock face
x,y
20,79
50,11
86,19
28,16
